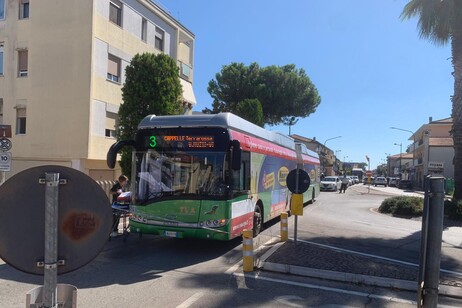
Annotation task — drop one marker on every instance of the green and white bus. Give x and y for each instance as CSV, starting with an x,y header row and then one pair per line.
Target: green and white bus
x,y
211,176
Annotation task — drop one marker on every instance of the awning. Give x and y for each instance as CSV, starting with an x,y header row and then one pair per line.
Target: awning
x,y
188,93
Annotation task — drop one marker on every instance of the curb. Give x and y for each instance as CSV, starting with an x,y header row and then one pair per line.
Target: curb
x,y
342,277
405,285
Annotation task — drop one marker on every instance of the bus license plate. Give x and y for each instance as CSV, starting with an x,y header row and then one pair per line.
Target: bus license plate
x,y
171,234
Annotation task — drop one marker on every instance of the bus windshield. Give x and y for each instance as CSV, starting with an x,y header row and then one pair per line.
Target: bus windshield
x,y
177,173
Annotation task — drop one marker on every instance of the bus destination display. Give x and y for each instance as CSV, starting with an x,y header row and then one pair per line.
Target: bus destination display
x,y
182,141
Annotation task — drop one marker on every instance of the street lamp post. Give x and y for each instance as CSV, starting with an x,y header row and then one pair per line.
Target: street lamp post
x,y
413,148
331,139
400,153
343,164
324,148
388,164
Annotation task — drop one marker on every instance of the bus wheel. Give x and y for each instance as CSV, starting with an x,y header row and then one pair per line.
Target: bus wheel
x,y
257,220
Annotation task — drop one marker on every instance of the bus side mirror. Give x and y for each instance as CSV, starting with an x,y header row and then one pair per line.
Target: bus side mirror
x,y
114,149
236,155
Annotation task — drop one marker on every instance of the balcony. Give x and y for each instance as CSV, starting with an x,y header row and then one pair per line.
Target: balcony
x,y
185,71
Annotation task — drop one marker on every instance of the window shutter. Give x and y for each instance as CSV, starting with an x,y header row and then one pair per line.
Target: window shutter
x,y
113,65
22,60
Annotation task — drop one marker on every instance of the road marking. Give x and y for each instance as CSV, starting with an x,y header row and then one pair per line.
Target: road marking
x,y
329,289
286,300
187,303
233,268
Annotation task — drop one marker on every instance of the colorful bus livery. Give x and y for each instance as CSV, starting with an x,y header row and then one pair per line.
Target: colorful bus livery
x,y
210,176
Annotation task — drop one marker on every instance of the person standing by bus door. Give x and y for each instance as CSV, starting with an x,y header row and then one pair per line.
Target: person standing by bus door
x,y
344,184
115,191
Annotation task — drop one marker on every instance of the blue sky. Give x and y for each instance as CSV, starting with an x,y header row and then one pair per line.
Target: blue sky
x,y
371,69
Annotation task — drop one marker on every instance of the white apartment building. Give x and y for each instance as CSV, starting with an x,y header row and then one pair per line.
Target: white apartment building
x,y
434,150
62,68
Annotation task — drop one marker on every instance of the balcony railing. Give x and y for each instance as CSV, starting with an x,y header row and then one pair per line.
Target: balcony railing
x,y
185,70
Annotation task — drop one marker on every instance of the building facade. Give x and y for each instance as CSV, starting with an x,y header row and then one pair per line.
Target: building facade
x,y
434,150
330,164
399,165
62,68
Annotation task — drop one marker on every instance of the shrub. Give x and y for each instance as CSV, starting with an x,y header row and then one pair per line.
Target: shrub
x,y
453,210
402,206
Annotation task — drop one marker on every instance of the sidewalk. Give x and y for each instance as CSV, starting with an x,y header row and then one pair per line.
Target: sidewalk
x,y
325,262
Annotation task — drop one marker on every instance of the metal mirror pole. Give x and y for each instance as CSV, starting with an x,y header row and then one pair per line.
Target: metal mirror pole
x,y
51,239
434,238
423,242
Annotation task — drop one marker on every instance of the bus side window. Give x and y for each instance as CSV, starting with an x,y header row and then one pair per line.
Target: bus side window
x,y
241,177
246,167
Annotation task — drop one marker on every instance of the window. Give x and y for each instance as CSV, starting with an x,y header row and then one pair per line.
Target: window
x,y
1,59
159,40
241,177
144,29
20,121
110,133
113,68
23,9
2,9
115,12
111,122
22,63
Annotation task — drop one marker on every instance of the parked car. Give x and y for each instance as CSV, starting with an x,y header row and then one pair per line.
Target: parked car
x,y
380,180
331,183
355,178
351,181
405,184
393,182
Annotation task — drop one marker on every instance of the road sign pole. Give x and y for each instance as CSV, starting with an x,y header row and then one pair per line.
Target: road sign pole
x,y
298,182
51,239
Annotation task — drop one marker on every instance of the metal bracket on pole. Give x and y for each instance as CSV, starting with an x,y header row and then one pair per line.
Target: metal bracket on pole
x,y
61,182
59,263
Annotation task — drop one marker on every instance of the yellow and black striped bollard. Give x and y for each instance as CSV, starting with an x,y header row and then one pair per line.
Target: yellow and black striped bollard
x,y
247,247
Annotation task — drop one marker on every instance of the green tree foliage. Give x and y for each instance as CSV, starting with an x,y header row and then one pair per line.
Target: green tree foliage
x,y
152,86
441,22
282,91
235,83
382,170
250,109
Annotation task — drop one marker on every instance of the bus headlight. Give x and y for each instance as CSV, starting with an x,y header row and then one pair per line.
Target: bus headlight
x,y
214,223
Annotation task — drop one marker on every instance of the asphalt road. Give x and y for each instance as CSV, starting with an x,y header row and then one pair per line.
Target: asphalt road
x,y
163,272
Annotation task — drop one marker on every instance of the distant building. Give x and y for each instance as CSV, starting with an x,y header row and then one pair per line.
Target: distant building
x,y
62,67
330,165
434,150
399,165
